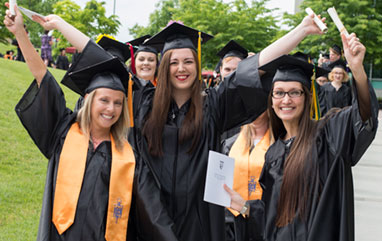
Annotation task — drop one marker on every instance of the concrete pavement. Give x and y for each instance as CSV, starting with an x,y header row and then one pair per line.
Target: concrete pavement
x,y
367,175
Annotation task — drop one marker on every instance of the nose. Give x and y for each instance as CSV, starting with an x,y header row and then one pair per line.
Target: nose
x,y
180,67
286,99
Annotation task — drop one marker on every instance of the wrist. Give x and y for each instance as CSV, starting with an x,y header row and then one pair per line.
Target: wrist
x,y
245,209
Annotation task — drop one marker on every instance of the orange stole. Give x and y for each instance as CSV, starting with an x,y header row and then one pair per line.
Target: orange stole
x,y
248,167
69,180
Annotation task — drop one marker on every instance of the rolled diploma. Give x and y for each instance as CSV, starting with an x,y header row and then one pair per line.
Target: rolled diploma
x,y
12,4
319,23
333,14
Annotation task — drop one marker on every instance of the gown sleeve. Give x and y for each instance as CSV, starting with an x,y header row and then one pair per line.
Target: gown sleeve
x,y
151,219
347,134
241,97
42,110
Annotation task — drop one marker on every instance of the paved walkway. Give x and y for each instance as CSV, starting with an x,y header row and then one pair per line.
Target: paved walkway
x,y
367,176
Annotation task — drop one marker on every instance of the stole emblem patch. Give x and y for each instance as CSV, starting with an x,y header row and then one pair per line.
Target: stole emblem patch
x,y
118,207
251,185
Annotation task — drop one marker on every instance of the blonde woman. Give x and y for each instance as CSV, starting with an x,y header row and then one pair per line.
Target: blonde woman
x,y
89,185
335,93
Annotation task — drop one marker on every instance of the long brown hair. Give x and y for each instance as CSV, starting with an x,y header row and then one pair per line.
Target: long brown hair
x,y
192,123
298,167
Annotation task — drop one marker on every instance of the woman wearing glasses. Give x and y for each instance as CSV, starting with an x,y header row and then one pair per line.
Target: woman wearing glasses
x,y
307,179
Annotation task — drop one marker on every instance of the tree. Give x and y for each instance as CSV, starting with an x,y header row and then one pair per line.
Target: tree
x,y
44,7
363,17
252,25
91,20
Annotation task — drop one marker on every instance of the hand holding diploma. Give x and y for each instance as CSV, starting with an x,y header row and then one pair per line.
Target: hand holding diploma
x,y
318,21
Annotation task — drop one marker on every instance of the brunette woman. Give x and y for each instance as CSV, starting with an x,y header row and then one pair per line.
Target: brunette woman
x,y
307,180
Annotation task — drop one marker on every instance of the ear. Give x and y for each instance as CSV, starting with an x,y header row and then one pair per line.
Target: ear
x,y
86,95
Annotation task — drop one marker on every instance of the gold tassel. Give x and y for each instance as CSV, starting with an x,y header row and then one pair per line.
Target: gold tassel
x,y
130,101
200,55
99,37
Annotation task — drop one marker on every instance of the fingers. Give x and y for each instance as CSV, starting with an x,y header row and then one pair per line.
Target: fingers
x,y
229,190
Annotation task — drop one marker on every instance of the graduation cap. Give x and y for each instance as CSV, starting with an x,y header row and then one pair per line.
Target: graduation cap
x,y
233,49
290,68
142,47
176,36
336,49
114,47
110,74
338,63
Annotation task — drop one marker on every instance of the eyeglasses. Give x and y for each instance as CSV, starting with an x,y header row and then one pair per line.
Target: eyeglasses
x,y
278,94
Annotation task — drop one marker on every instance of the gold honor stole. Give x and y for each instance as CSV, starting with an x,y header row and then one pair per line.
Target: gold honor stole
x,y
70,174
248,167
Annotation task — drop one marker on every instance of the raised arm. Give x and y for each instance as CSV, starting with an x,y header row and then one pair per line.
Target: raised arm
x,y
354,53
288,42
33,60
73,35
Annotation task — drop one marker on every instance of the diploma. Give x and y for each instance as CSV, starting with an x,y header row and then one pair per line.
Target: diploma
x,y
319,23
333,14
12,4
30,13
219,172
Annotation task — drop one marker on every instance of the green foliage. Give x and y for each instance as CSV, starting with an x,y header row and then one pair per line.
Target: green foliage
x,y
251,25
91,20
34,29
22,166
362,17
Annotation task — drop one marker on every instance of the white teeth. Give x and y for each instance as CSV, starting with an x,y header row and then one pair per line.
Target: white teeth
x,y
287,108
109,117
182,77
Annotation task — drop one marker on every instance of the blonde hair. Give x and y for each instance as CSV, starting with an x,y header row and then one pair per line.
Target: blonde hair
x,y
119,130
344,79
249,133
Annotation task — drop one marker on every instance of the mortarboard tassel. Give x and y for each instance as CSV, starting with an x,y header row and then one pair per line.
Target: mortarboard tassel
x,y
130,101
132,58
100,36
315,108
200,55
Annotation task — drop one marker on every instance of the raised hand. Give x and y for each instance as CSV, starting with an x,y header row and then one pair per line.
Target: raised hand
x,y
354,50
310,26
14,24
49,22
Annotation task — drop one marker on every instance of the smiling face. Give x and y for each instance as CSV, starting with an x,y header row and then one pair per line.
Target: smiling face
x,y
337,74
145,65
183,70
106,109
288,109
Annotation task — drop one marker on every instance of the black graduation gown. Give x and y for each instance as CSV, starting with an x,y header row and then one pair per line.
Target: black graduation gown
x,y
62,62
329,97
340,142
237,101
43,113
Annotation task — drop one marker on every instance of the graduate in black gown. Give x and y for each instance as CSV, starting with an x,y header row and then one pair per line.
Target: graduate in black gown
x,y
177,126
181,159
89,192
335,93
230,56
145,62
307,175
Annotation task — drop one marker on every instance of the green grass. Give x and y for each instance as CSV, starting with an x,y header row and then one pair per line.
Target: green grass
x,y
22,166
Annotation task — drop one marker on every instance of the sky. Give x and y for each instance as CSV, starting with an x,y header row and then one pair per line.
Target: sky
x,y
131,12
